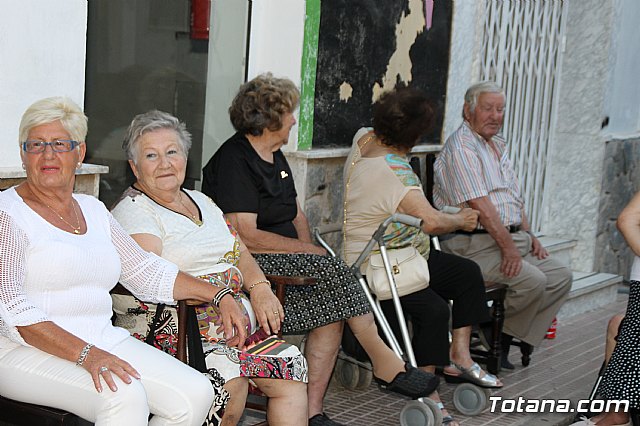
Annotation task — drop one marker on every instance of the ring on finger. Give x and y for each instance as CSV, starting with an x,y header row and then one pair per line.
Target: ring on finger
x,y
276,313
103,370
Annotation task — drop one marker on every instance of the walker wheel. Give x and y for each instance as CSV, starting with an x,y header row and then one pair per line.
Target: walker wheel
x,y
470,399
347,374
364,379
425,413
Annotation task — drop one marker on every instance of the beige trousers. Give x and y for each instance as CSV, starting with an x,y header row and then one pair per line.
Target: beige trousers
x,y
534,296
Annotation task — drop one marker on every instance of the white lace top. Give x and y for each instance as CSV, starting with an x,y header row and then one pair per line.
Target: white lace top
x,y
47,274
197,250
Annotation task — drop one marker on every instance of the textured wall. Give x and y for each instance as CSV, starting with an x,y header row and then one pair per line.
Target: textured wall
x,y
577,151
620,181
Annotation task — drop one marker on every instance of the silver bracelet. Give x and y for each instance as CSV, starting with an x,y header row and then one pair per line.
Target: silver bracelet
x,y
84,354
219,295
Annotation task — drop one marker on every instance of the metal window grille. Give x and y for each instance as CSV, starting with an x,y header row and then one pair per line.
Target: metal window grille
x,y
521,52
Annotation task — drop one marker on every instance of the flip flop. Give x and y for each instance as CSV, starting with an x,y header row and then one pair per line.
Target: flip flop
x,y
473,375
413,383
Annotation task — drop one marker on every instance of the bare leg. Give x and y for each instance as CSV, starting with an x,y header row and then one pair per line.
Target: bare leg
x,y
237,388
386,364
436,396
287,401
459,350
612,332
321,351
610,419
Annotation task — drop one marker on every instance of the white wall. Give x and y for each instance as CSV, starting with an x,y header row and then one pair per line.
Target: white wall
x,y
466,41
277,36
43,50
622,104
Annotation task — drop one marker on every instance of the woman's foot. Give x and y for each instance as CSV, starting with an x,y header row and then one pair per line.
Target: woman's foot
x,y
447,419
456,373
605,419
413,382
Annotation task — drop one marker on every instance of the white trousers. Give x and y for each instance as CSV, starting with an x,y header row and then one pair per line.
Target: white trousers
x,y
173,392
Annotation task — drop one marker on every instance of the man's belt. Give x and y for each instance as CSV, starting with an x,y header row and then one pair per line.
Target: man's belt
x,y
511,228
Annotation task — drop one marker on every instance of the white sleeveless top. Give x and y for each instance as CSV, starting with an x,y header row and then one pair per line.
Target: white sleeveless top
x,y
635,270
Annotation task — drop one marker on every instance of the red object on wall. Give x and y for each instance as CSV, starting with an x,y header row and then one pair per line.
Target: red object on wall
x,y
200,10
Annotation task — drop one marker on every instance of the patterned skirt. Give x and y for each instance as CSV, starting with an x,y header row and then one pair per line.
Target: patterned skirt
x,y
621,379
337,295
265,356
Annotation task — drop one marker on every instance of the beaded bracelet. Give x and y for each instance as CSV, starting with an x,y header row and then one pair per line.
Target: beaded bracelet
x,y
258,282
84,354
219,295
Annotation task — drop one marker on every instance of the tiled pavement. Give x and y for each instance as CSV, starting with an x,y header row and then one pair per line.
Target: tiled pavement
x,y
563,368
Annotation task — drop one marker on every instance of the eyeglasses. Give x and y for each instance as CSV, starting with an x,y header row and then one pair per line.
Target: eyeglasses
x,y
57,145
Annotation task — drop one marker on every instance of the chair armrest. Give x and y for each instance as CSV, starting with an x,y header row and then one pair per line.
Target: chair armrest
x,y
281,281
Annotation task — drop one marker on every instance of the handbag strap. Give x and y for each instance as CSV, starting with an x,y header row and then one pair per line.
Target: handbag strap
x,y
153,328
194,343
356,156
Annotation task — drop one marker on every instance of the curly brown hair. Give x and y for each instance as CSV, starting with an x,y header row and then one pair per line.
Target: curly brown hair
x,y
401,117
262,103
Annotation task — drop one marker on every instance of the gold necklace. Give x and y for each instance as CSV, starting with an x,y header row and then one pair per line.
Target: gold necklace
x,y
76,229
194,218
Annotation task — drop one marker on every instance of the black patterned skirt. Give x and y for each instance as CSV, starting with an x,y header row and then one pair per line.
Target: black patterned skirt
x,y
621,379
337,295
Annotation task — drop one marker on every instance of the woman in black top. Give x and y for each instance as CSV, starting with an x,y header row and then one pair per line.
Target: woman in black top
x,y
251,182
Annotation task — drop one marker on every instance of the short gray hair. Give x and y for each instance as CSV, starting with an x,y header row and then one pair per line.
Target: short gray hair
x,y
475,90
47,111
148,122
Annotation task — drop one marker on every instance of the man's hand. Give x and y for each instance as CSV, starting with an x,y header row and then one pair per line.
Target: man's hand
x,y
537,249
269,312
511,262
469,219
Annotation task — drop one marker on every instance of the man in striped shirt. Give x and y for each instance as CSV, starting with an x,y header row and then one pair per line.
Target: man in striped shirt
x,y
474,170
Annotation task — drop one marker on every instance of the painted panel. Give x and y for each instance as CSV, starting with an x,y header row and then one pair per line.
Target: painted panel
x,y
366,47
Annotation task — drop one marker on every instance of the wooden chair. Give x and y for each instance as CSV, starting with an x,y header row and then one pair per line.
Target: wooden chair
x,y
495,293
25,414
186,310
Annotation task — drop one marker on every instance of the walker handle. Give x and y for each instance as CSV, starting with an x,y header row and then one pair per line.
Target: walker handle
x,y
406,219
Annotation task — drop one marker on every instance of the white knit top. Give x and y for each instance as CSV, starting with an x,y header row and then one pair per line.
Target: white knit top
x,y
47,274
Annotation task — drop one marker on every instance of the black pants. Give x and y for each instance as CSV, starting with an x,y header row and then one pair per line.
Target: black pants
x,y
452,278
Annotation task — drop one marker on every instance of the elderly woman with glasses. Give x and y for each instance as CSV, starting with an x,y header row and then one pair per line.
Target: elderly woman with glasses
x,y
188,229
61,255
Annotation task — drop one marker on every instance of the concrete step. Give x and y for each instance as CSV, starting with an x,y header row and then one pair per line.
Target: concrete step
x,y
590,290
559,247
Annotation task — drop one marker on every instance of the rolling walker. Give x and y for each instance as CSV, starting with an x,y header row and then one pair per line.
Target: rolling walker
x,y
468,398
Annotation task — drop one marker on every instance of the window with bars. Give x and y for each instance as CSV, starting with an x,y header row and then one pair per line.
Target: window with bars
x,y
521,51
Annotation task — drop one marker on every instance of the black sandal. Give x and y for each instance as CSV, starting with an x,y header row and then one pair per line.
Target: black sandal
x,y
413,383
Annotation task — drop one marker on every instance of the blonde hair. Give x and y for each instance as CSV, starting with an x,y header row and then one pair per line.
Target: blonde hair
x,y
57,108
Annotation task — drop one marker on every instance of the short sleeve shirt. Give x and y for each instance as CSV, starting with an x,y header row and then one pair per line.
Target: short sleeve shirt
x,y
374,188
467,168
239,181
